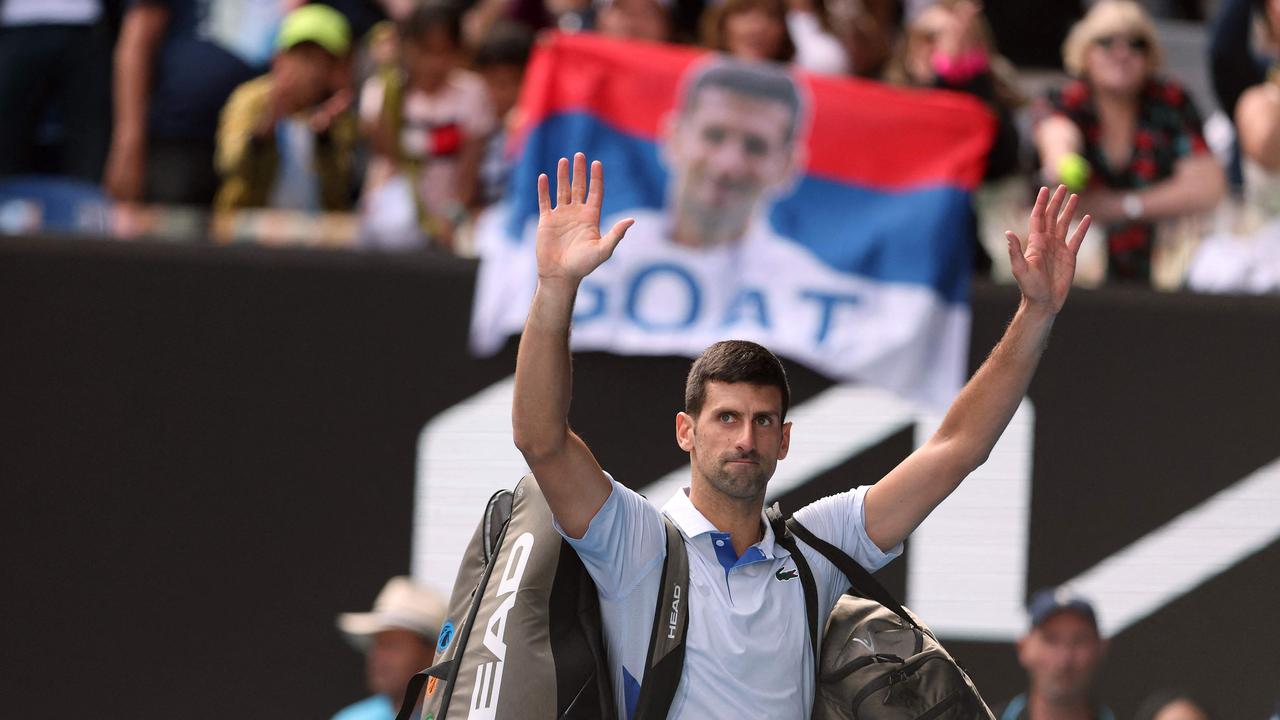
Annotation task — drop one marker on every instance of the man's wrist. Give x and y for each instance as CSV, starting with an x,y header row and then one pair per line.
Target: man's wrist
x,y
1036,311
559,284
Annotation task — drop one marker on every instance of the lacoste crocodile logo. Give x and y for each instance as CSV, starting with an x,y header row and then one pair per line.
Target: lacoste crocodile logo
x,y
783,575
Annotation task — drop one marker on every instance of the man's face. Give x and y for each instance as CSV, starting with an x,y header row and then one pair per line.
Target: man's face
x,y
724,153
301,77
737,439
393,658
1061,656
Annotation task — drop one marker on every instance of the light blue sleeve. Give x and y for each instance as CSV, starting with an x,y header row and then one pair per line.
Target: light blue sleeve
x,y
839,520
623,542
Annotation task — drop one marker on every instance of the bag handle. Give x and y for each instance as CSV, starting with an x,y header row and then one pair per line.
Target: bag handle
x,y
441,670
859,578
664,663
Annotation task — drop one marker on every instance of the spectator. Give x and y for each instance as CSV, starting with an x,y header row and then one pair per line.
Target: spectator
x,y
428,121
1171,705
949,45
634,19
285,140
176,63
55,59
1061,654
398,639
868,31
501,61
754,30
1131,140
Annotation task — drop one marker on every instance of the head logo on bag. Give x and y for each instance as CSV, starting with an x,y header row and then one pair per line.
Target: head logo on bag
x,y
673,625
484,700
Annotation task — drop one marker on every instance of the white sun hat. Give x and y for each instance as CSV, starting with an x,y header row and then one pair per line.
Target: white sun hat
x,y
402,604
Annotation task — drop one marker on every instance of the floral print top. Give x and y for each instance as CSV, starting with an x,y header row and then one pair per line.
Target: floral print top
x,y
1168,129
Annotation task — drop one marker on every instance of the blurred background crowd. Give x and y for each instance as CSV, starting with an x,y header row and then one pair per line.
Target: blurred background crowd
x,y
383,123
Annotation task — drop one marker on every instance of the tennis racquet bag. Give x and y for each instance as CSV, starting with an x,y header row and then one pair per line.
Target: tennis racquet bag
x,y
523,638
876,659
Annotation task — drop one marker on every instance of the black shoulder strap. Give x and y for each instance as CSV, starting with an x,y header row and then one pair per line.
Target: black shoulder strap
x,y
665,662
783,536
862,581
440,670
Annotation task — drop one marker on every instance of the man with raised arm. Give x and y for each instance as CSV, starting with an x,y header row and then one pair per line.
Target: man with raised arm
x,y
747,648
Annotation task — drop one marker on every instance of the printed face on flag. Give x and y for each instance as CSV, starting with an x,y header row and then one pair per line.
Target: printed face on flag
x,y
730,147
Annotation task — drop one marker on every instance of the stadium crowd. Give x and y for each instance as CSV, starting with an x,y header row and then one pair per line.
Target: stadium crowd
x,y
398,110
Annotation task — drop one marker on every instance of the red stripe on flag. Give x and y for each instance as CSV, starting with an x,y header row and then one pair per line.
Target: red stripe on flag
x,y
862,132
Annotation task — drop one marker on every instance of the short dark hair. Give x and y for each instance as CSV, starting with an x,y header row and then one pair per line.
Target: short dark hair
x,y
507,43
733,361
434,15
765,81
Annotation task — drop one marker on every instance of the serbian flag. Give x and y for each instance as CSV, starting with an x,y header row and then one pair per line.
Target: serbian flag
x,y
826,218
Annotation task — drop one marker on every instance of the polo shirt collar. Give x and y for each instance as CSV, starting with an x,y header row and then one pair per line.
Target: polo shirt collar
x,y
693,524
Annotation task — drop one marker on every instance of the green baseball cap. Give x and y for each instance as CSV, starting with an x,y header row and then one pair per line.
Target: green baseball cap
x,y
319,24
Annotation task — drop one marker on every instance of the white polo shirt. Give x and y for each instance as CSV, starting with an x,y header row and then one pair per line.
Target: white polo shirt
x,y
747,652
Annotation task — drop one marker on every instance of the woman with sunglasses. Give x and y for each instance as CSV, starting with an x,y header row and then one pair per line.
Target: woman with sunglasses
x,y
1125,138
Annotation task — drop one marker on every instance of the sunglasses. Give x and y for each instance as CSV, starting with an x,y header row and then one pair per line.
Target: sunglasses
x,y
1135,43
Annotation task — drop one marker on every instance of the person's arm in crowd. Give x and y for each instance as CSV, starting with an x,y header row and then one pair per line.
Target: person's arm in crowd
x,y
376,123
1044,270
1233,65
817,50
1258,125
569,247
480,19
141,33
239,124
1056,136
1197,185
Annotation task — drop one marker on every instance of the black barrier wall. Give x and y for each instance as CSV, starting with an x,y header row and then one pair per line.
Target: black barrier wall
x,y
209,452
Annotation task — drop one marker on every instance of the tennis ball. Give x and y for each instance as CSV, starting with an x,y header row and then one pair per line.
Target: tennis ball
x,y
1073,171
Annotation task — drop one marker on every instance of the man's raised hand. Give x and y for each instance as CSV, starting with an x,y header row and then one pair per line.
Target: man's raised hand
x,y
1045,268
569,244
